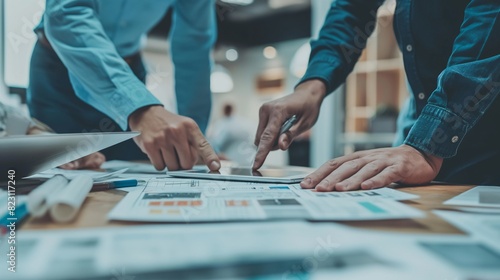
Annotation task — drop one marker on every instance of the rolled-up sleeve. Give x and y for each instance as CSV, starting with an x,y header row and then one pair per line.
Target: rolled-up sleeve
x,y
343,37
466,88
99,75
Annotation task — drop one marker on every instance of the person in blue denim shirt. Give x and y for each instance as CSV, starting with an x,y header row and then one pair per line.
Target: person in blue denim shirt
x,y
87,75
449,130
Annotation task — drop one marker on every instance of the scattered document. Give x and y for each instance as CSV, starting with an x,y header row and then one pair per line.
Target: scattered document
x,y
97,176
183,200
289,250
481,196
376,193
484,226
132,167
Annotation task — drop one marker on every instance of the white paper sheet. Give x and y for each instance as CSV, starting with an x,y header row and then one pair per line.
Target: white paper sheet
x,y
184,200
376,193
320,250
141,168
97,176
472,197
483,226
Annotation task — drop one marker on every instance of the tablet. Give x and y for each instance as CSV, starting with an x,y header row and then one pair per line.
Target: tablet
x,y
31,154
286,175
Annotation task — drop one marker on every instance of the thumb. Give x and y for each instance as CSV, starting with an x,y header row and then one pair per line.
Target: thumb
x,y
286,139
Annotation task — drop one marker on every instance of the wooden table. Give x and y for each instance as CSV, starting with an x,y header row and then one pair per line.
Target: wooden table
x,y
98,204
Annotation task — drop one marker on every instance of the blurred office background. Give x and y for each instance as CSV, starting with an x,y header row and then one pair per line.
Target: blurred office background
x,y
261,53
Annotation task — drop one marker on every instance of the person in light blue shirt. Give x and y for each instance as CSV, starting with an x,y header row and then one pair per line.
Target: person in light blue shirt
x,y
87,75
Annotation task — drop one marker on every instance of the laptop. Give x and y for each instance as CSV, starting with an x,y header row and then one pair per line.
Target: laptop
x,y
22,156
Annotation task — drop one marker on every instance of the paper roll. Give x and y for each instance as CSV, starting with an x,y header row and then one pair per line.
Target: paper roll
x,y
37,203
65,206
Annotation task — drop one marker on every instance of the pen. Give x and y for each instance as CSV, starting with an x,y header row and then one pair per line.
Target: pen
x,y
114,185
288,124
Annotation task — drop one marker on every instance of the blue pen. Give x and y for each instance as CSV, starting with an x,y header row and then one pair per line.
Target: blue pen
x,y
115,185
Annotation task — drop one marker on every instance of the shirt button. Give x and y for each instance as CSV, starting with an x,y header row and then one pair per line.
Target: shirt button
x,y
421,96
409,48
454,139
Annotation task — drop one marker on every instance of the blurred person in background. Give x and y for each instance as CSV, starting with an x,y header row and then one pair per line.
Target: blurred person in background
x,y
448,129
232,139
87,75
13,122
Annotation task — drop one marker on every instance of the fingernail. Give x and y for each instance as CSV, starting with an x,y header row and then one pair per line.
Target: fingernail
x,y
285,142
306,183
214,165
341,187
366,185
321,188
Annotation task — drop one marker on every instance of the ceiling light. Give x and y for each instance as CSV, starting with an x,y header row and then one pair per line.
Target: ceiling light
x,y
220,80
270,52
232,55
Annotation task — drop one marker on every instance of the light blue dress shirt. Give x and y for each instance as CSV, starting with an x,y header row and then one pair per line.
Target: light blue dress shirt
x,y
92,36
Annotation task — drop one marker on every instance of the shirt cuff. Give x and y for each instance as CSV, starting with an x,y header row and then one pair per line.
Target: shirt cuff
x,y
437,131
325,70
126,104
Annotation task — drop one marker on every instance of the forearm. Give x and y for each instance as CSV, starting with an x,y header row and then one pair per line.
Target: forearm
x,y
342,39
465,92
98,74
466,88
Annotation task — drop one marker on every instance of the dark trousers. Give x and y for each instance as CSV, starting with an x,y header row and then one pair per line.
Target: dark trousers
x,y
52,100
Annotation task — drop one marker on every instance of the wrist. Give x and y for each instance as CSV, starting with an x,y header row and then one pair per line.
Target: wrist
x,y
135,118
315,88
37,127
435,161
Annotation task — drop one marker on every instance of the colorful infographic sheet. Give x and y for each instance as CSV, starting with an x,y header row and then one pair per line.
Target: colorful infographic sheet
x,y
178,200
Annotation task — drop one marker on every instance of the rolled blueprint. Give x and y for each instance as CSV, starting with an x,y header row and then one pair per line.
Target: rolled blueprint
x,y
65,206
37,203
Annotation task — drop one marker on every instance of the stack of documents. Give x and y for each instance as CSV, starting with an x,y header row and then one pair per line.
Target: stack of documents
x,y
184,200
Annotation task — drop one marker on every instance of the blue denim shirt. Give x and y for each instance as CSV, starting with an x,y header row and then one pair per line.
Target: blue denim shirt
x,y
92,36
451,53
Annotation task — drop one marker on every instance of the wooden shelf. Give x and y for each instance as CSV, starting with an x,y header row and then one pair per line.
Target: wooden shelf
x,y
378,80
378,65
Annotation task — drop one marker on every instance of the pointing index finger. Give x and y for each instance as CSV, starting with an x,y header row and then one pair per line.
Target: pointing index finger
x,y
206,152
267,141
